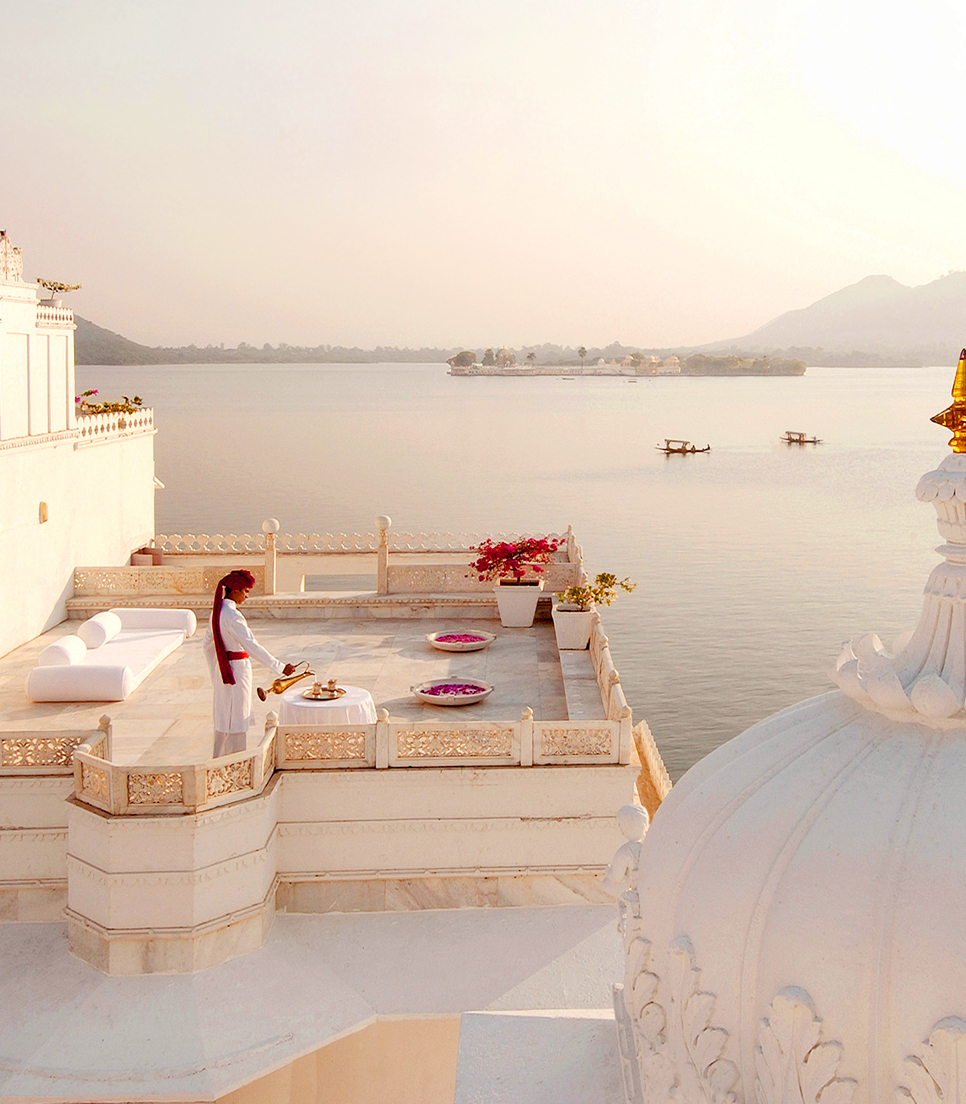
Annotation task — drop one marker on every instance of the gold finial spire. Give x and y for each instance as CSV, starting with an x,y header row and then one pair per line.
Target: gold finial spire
x,y
954,417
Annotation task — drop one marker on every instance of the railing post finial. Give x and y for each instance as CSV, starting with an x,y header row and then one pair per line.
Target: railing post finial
x,y
383,524
270,527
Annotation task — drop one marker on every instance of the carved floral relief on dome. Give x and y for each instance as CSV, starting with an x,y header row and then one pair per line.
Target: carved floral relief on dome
x,y
679,1049
792,1065
938,1075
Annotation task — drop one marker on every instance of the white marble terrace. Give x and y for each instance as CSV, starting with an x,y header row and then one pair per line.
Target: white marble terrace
x,y
170,861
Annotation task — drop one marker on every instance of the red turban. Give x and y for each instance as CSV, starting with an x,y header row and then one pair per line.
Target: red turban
x,y
234,580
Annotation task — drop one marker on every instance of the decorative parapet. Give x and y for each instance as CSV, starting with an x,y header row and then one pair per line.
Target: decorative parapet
x,y
49,317
97,428
447,578
133,582
187,544
125,790
654,782
414,744
91,429
46,752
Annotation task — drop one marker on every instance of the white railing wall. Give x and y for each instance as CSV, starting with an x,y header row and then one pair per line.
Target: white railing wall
x,y
48,752
125,789
99,427
413,744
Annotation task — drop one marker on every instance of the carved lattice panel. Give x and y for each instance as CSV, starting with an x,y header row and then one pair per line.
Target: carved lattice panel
x,y
94,781
338,744
575,740
454,743
230,778
37,751
155,789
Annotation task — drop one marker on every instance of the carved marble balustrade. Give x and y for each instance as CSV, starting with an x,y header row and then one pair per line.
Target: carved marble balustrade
x,y
125,790
414,744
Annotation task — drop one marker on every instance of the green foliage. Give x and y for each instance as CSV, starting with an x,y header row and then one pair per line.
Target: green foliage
x,y
601,592
489,358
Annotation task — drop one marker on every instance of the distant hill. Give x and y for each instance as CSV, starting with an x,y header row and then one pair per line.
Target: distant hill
x,y
95,345
876,321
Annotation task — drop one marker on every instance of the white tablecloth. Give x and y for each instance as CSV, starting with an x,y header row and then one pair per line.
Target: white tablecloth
x,y
354,707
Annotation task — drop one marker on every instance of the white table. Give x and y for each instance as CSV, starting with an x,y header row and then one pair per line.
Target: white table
x,y
354,707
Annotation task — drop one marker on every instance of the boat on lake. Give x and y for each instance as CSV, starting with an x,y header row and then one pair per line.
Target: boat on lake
x,y
798,437
683,448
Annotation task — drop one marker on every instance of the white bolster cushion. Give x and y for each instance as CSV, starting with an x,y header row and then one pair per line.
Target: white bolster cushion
x,y
80,682
100,629
63,652
136,618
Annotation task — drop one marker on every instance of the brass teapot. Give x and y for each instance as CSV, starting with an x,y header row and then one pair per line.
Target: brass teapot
x,y
280,685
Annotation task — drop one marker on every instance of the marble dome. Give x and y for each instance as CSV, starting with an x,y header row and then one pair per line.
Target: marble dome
x,y
798,934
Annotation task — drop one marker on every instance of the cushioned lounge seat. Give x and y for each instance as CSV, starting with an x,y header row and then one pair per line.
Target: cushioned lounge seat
x,y
109,656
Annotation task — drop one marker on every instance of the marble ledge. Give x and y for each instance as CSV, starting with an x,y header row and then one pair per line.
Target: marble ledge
x,y
408,894
134,952
34,902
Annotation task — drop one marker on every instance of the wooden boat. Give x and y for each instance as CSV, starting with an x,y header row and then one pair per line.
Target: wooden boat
x,y
795,437
673,445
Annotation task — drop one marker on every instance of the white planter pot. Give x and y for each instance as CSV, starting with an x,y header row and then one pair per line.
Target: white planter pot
x,y
517,604
572,626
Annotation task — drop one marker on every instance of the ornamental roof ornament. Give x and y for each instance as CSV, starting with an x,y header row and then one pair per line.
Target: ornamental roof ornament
x,y
954,417
11,261
923,676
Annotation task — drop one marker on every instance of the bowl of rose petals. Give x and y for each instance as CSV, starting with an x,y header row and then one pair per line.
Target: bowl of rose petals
x,y
461,640
452,691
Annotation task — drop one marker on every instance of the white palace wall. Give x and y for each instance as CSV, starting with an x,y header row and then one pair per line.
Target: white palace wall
x,y
68,495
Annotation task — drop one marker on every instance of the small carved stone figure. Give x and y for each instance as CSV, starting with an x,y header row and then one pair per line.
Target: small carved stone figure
x,y
621,875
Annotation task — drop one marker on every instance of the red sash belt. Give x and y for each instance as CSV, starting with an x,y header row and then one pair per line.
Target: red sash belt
x,y
237,655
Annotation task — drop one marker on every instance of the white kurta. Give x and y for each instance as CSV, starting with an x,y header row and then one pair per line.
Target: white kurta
x,y
233,704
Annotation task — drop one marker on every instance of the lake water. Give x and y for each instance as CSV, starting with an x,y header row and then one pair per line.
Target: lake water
x,y
753,562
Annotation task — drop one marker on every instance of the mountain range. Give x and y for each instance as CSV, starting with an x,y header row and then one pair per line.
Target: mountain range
x,y
877,321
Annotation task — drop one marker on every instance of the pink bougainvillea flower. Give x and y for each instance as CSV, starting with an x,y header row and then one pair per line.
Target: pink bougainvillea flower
x,y
453,688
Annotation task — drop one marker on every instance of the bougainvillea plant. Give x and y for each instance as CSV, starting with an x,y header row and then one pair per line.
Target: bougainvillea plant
x,y
513,559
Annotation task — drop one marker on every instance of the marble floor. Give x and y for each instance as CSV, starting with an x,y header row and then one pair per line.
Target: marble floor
x,y
168,717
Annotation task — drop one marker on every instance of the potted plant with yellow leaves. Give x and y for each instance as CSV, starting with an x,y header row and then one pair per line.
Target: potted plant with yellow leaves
x,y
573,612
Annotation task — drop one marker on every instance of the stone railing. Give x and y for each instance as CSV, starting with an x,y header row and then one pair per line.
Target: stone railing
x,y
188,544
654,782
267,546
47,752
48,316
92,428
446,578
408,744
132,582
608,680
125,790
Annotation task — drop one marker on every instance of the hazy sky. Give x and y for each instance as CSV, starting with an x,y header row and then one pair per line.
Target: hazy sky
x,y
503,171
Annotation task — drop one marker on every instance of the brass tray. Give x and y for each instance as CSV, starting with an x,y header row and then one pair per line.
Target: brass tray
x,y
323,694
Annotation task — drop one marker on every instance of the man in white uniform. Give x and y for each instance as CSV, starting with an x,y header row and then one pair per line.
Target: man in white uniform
x,y
228,645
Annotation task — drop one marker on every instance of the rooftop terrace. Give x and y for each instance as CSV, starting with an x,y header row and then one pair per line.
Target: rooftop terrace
x,y
169,715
